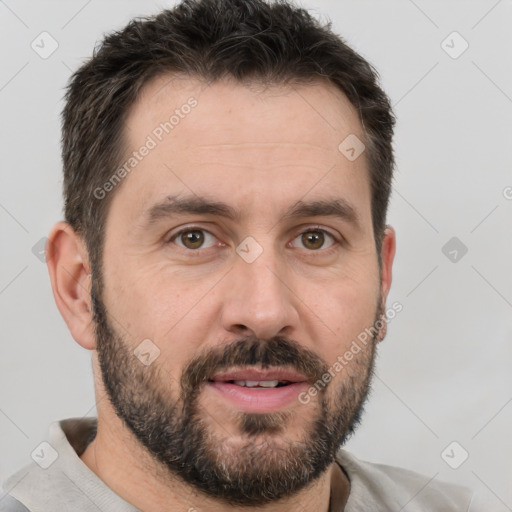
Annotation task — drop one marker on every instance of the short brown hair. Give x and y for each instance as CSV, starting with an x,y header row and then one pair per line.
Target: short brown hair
x,y
273,43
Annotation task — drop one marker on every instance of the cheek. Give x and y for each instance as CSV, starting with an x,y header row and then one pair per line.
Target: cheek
x,y
353,327
158,304
137,300
344,306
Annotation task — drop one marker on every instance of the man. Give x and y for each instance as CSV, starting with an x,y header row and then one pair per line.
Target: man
x,y
227,170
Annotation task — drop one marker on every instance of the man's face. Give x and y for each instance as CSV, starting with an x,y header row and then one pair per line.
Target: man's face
x,y
272,282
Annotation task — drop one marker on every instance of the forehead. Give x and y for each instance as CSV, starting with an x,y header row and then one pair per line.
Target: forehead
x,y
230,112
241,141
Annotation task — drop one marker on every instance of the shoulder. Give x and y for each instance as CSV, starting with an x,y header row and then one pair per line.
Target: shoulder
x,y
10,504
386,487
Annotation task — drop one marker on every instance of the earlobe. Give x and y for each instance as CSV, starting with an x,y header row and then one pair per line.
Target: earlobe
x,y
70,277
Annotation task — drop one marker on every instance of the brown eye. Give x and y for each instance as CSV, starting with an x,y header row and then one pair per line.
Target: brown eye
x,y
192,239
314,240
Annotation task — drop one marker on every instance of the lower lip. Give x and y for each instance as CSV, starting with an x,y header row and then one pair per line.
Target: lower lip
x,y
259,399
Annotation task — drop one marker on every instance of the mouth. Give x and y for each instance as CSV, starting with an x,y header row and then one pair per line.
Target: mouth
x,y
254,390
263,384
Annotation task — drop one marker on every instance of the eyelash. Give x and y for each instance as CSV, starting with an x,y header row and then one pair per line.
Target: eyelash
x,y
336,242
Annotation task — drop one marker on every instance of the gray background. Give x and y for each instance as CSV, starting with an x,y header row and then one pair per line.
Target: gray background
x,y
443,372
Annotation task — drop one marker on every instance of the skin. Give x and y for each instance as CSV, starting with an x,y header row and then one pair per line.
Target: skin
x,y
259,151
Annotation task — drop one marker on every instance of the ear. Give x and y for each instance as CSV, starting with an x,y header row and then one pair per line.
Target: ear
x,y
70,276
387,257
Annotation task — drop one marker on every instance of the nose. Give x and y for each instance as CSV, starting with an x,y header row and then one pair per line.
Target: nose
x,y
259,300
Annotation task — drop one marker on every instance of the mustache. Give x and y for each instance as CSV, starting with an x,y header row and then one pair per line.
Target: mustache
x,y
250,351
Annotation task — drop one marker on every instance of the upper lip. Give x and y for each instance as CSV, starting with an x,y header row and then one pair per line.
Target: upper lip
x,y
255,374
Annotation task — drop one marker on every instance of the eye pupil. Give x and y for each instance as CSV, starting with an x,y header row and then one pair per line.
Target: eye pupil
x,y
313,239
192,239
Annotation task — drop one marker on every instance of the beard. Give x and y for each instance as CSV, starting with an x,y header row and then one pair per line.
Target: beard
x,y
260,465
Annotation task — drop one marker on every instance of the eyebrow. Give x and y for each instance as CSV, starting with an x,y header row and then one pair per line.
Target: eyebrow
x,y
180,205
339,208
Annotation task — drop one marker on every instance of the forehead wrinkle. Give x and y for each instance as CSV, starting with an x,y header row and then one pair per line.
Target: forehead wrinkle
x,y
258,144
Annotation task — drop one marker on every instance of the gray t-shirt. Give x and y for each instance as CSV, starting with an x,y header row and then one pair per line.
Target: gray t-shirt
x,y
58,481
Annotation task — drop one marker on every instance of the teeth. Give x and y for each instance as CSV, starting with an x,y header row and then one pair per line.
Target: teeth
x,y
255,383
